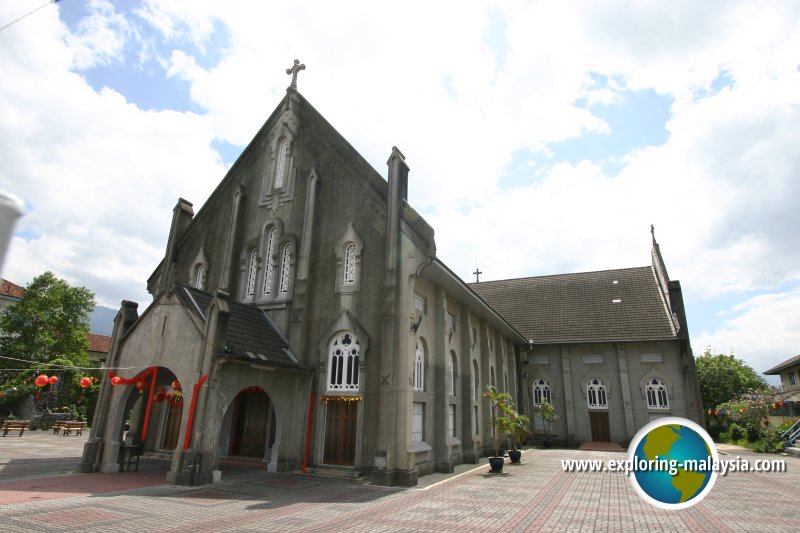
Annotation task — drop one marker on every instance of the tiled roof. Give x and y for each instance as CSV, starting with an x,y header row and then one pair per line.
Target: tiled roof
x,y
775,370
99,343
583,307
251,335
10,289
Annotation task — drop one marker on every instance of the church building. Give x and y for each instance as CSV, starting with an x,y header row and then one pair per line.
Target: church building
x,y
302,318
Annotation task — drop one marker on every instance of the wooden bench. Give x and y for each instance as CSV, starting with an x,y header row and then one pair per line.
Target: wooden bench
x,y
14,425
70,426
57,426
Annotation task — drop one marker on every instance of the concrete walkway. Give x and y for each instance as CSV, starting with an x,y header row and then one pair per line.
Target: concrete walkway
x,y
38,493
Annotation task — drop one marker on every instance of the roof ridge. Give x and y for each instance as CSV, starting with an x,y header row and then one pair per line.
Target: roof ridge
x,y
563,274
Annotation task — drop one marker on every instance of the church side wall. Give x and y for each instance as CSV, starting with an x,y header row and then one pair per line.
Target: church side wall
x,y
567,369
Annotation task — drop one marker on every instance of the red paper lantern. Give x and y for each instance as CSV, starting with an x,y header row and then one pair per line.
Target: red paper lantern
x,y
780,403
41,380
86,382
53,380
116,380
716,412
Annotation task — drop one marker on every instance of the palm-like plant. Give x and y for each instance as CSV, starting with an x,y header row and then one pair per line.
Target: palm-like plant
x,y
501,423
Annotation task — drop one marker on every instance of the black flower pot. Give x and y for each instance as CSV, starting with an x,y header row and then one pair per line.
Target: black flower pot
x,y
496,463
515,456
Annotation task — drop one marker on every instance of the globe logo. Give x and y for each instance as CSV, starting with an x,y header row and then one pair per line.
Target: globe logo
x,y
672,463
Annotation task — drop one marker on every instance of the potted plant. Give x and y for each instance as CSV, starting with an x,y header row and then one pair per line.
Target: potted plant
x,y
500,422
519,430
549,416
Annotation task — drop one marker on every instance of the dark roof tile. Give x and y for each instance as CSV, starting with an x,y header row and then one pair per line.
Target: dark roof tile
x,y
582,307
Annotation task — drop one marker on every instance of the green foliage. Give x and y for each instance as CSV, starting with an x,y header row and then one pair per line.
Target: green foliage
x,y
45,331
502,405
770,441
723,377
787,424
549,416
736,432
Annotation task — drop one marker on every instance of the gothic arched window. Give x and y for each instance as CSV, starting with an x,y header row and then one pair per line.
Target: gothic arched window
x,y
596,394
541,392
476,384
200,277
418,380
657,394
286,269
451,374
343,362
350,264
280,169
269,268
252,269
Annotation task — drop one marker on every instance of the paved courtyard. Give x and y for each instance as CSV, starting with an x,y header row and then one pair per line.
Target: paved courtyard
x,y
40,492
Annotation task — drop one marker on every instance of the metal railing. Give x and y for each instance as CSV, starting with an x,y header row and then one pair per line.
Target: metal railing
x,y
790,436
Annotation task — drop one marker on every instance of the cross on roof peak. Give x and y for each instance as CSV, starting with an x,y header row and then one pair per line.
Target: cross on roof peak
x,y
297,67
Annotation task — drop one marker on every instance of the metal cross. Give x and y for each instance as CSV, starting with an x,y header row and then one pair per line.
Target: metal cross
x,y
477,275
297,67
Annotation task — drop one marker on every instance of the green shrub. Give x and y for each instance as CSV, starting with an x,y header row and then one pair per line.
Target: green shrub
x,y
724,437
736,432
716,431
770,442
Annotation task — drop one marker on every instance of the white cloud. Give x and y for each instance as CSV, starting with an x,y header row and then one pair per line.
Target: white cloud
x,y
721,191
764,331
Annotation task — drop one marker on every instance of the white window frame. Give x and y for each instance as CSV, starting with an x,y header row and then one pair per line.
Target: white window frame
x,y
596,394
252,272
418,379
541,391
451,385
200,277
418,422
286,269
344,353
269,268
282,163
656,392
420,303
349,264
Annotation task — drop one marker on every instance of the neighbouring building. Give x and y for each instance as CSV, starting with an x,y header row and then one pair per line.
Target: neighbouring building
x,y
301,317
609,350
788,399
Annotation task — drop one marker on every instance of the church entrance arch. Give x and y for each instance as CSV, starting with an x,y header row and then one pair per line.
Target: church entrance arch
x,y
250,425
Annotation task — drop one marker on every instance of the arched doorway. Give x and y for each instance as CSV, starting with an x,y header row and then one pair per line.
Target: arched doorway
x,y
249,426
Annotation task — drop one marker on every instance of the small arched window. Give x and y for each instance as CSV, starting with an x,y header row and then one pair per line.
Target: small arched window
x,y
200,277
418,380
286,269
280,169
451,374
269,268
343,362
596,394
251,273
541,392
350,264
657,394
476,383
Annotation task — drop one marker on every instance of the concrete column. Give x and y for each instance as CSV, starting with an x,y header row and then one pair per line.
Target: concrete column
x,y
438,361
569,407
625,387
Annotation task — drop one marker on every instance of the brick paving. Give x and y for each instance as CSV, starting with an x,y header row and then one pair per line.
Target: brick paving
x,y
38,492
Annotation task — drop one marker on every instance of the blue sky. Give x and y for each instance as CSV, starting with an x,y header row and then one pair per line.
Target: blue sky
x,y
543,137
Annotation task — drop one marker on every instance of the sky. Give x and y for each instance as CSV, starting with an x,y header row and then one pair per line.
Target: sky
x,y
543,137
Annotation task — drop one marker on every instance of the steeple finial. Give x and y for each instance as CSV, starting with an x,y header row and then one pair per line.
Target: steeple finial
x,y
477,274
653,233
297,67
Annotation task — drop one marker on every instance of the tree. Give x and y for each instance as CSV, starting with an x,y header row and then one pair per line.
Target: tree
x,y
723,378
45,332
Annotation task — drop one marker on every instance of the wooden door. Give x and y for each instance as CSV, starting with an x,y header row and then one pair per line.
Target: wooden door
x,y
172,426
340,433
251,426
598,421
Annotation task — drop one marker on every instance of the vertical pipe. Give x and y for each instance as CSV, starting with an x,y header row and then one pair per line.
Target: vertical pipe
x,y
308,431
154,370
187,439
